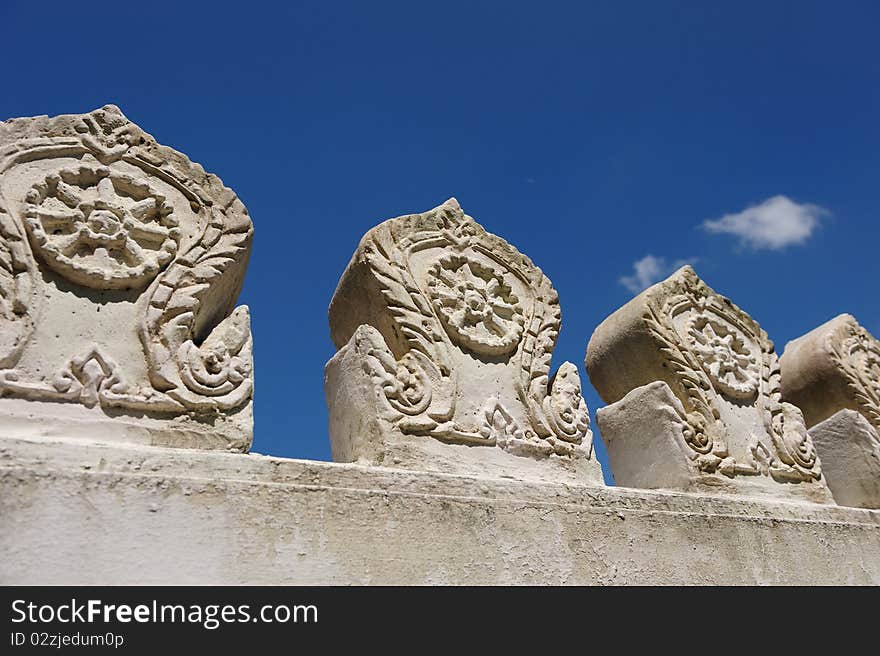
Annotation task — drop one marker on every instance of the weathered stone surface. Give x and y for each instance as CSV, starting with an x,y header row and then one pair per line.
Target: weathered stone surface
x,y
79,513
833,374
693,378
120,265
850,452
445,334
644,438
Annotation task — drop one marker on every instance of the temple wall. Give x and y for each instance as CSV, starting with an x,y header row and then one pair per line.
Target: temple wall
x,y
82,513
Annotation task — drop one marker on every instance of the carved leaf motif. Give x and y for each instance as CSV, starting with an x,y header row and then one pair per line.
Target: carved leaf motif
x,y
701,412
7,282
859,382
541,332
499,426
210,268
217,374
16,285
406,302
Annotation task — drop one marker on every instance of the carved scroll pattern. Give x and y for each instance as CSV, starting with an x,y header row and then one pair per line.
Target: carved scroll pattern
x,y
213,375
785,424
531,333
794,457
217,374
857,355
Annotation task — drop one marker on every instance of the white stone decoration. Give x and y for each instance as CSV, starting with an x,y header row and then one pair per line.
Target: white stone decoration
x,y
120,264
833,374
445,334
695,403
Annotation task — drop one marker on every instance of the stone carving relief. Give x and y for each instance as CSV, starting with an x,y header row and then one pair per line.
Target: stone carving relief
x,y
726,355
99,229
833,374
857,355
833,367
722,380
477,307
17,282
120,263
456,329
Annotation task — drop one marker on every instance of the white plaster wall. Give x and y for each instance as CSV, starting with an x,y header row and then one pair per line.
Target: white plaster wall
x,y
72,512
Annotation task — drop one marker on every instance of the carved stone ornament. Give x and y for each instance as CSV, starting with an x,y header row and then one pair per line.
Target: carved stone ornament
x,y
120,264
445,334
695,400
833,374
834,366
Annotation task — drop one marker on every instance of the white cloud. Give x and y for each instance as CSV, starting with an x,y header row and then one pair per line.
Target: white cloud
x,y
651,269
776,223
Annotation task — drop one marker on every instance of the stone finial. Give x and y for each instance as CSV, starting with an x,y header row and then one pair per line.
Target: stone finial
x,y
833,367
833,374
693,383
445,334
120,265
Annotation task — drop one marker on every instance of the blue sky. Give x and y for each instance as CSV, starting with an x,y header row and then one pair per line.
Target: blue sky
x,y
607,140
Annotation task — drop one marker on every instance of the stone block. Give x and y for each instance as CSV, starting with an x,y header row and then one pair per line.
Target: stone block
x,y
693,383
445,334
120,264
833,374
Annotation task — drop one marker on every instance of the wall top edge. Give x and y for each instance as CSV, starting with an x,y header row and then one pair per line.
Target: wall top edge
x,y
60,457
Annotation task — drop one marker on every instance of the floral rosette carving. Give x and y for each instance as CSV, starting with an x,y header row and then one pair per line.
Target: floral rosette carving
x,y
726,354
101,229
476,305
